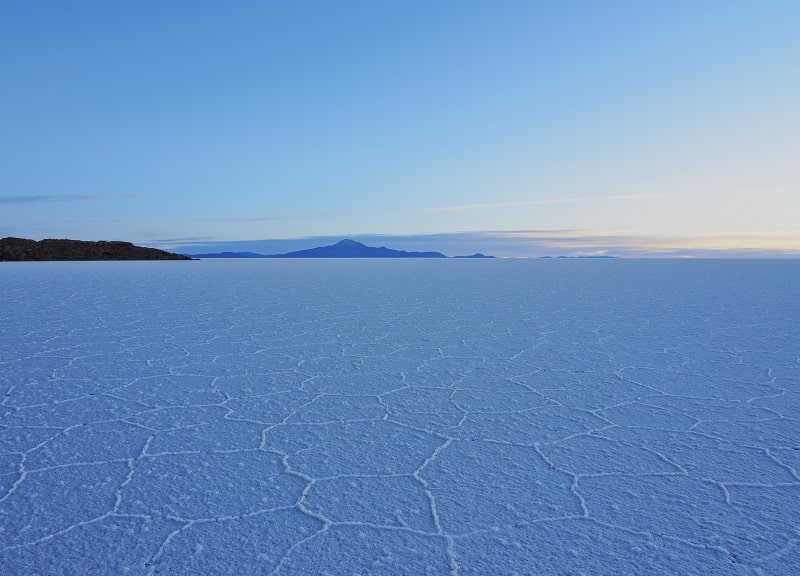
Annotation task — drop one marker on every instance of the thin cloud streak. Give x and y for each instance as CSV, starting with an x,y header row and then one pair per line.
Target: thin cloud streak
x,y
255,219
185,240
44,198
326,215
571,200
463,207
57,198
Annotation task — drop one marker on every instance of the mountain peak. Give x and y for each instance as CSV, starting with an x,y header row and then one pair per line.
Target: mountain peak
x,y
348,248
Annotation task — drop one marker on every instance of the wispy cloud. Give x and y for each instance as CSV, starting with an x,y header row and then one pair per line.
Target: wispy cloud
x,y
570,200
300,216
491,205
186,240
56,198
254,219
46,198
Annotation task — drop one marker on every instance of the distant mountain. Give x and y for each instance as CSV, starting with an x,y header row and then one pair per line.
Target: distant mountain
x,y
21,249
342,249
353,249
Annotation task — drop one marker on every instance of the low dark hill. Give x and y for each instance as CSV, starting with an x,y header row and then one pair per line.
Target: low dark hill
x,y
20,249
353,249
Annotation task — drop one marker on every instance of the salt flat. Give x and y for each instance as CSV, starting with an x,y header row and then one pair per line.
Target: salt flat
x,y
400,417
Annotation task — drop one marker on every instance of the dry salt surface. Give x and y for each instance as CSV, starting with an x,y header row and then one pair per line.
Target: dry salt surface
x,y
400,417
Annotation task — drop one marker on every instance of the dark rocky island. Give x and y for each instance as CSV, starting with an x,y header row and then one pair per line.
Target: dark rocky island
x,y
21,249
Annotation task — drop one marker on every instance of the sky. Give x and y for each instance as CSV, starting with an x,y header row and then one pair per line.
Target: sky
x,y
518,128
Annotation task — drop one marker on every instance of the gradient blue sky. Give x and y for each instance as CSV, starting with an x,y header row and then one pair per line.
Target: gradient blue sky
x,y
512,127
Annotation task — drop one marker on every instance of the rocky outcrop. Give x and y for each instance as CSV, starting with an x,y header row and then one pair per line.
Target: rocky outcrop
x,y
21,249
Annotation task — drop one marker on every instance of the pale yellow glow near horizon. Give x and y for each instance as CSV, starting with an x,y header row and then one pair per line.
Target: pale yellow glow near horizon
x,y
787,242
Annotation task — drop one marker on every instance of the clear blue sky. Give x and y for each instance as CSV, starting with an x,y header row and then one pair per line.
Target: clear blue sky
x,y
605,127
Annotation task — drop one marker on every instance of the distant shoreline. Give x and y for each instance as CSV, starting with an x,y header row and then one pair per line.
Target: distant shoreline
x,y
343,249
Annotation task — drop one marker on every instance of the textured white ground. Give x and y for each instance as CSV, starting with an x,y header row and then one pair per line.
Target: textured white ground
x,y
400,417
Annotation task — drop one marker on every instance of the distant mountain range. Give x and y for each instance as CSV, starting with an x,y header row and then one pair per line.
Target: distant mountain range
x,y
342,249
22,249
